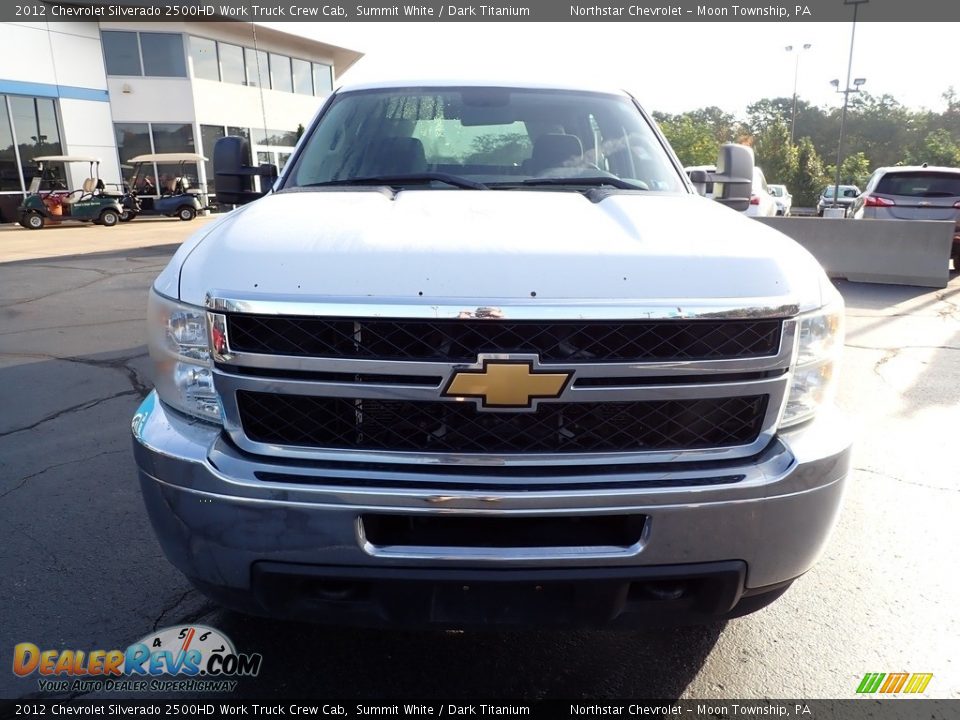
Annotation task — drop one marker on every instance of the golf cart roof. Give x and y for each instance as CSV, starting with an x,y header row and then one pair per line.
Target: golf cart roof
x,y
168,158
66,158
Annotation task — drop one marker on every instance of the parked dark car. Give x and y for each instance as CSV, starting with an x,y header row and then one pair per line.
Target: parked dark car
x,y
846,196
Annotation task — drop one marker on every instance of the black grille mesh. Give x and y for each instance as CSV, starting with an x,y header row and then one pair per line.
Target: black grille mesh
x,y
463,340
459,428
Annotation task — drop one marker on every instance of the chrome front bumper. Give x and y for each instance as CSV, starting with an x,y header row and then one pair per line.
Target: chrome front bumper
x,y
218,512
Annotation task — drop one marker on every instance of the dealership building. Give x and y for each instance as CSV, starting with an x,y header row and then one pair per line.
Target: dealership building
x,y
115,90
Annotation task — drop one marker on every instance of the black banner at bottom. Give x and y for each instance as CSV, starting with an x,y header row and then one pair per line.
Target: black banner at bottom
x,y
866,707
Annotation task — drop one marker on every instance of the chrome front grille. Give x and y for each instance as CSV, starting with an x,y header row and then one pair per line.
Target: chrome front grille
x,y
297,383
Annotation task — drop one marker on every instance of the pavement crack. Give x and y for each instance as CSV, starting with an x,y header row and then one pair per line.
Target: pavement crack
x,y
71,327
200,612
45,296
904,347
72,409
53,558
24,480
137,384
888,355
905,481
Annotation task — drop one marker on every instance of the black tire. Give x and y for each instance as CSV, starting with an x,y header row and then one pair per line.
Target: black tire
x,y
186,213
127,215
109,218
33,221
956,261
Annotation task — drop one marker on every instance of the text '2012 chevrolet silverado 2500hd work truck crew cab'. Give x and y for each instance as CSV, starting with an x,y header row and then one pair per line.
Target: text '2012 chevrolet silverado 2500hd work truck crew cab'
x,y
482,355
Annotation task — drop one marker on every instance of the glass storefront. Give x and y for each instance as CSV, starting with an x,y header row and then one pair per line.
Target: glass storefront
x,y
145,138
29,128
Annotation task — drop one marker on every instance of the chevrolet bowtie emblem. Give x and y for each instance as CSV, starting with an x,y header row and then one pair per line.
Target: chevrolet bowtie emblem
x,y
507,384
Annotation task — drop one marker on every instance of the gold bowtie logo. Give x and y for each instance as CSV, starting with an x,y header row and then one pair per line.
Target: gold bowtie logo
x,y
507,384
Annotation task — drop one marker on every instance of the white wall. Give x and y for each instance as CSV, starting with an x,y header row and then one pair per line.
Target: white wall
x,y
75,59
220,103
150,99
88,130
78,59
26,55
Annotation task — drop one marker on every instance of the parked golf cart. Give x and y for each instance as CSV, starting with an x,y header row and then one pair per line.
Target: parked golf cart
x,y
50,201
174,198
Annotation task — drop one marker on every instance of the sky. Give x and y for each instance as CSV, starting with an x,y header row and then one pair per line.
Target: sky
x,y
669,67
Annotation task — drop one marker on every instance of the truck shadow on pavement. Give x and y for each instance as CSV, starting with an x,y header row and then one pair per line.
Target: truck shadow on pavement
x,y
311,660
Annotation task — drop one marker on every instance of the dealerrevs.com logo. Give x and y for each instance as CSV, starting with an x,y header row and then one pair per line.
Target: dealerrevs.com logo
x,y
193,658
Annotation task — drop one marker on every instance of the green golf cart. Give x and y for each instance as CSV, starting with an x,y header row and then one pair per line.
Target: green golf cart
x,y
50,201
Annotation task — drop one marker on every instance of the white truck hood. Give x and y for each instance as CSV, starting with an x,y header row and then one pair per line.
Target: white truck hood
x,y
431,246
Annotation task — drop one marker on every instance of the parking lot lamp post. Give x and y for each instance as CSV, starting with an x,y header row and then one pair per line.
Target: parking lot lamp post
x,y
846,95
843,119
796,74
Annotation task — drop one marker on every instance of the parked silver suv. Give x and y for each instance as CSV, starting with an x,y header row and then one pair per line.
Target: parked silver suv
x,y
913,193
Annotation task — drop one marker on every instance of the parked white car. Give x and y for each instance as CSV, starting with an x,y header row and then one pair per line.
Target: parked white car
x,y
762,203
782,197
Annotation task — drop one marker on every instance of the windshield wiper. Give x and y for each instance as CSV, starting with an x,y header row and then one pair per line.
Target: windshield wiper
x,y
410,179
574,182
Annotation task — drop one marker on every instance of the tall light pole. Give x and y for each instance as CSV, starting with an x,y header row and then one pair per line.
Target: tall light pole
x,y
846,94
796,74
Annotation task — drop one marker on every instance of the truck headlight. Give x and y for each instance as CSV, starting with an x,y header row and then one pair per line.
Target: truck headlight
x,y
819,344
180,350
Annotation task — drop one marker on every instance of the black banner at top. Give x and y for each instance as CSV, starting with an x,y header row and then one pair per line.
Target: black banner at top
x,y
648,11
198,707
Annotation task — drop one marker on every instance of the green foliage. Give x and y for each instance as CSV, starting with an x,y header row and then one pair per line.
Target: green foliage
x,y
855,170
810,176
694,142
879,132
774,154
939,147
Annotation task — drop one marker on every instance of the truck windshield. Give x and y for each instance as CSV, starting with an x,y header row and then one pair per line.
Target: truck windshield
x,y
484,137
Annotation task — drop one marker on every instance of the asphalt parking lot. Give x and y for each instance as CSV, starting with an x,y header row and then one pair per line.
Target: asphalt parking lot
x,y
81,567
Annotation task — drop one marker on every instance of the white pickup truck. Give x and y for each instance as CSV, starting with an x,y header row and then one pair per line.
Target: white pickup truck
x,y
481,354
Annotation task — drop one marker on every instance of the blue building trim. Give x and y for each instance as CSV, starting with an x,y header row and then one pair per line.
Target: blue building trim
x,y
18,87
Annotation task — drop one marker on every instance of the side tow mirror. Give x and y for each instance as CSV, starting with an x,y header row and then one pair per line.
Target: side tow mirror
x,y
733,181
234,178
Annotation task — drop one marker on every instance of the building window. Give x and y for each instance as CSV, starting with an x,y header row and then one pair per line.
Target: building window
x,y
258,69
9,175
203,53
36,130
275,138
174,138
231,63
281,77
146,138
322,79
161,53
122,53
302,77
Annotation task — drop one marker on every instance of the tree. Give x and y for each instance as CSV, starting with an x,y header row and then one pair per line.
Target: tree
x,y
693,141
854,171
937,148
810,177
774,153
